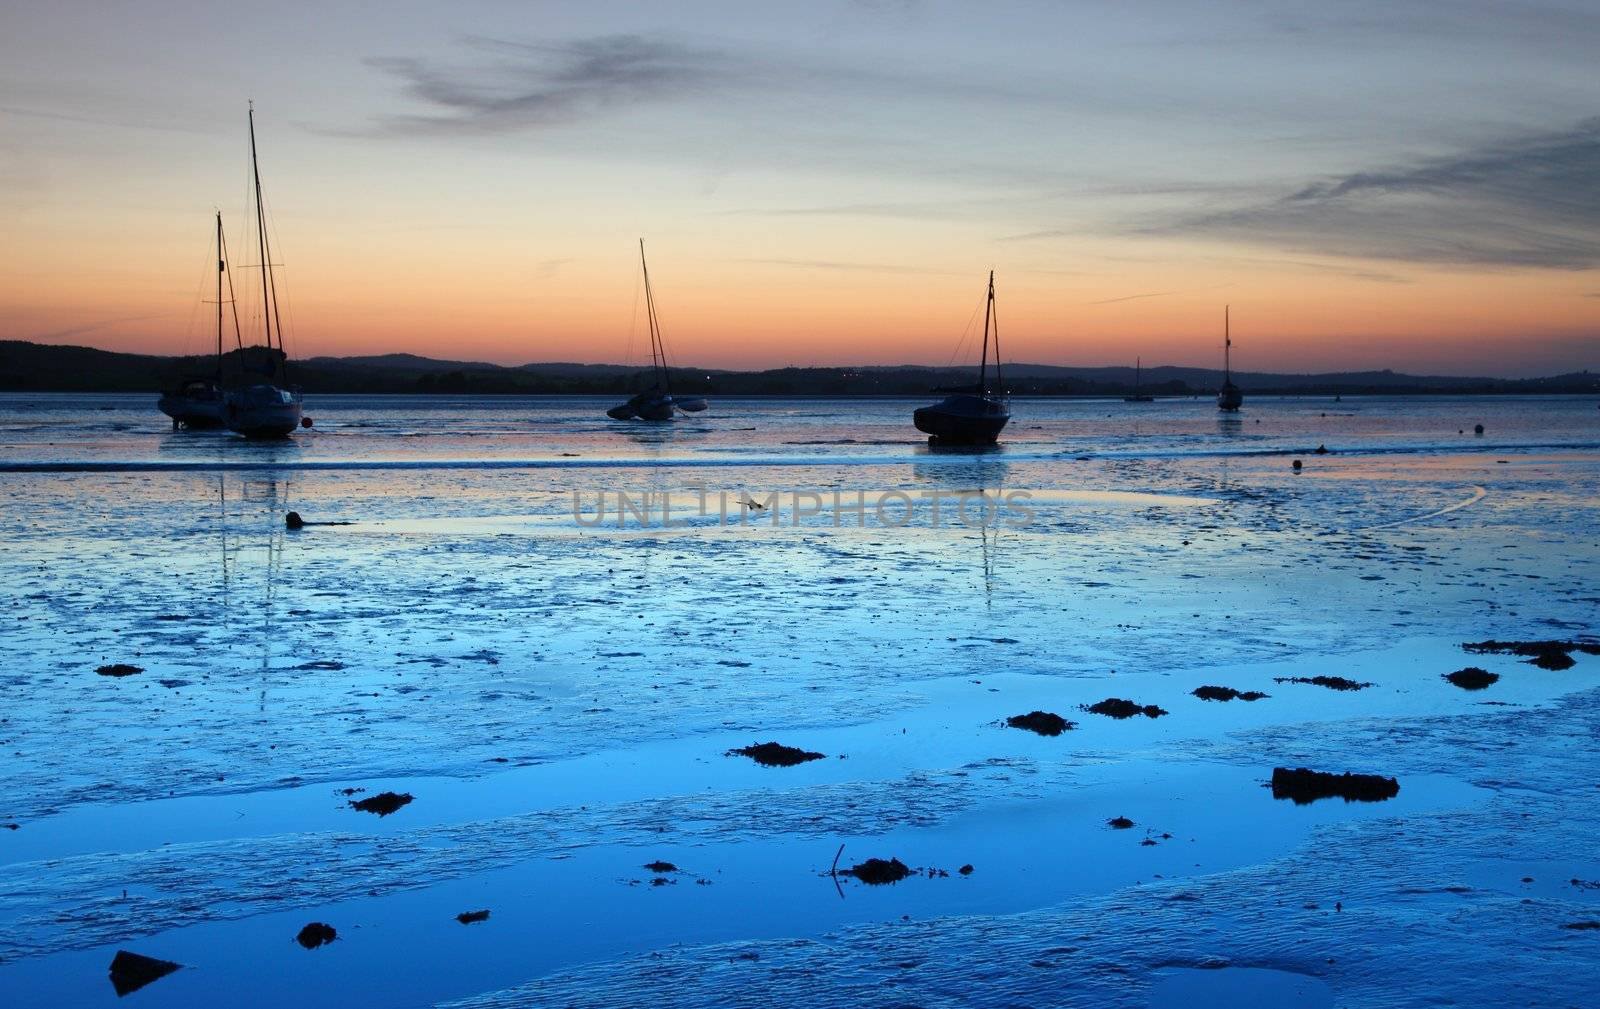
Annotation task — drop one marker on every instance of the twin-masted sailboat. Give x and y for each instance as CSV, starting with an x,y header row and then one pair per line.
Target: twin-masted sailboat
x,y
264,404
1139,396
975,414
656,403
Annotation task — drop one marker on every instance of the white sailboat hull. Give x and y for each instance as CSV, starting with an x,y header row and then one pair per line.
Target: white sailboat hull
x,y
264,411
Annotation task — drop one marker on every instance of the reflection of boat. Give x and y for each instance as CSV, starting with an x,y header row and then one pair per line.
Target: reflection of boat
x,y
1138,374
198,402
1229,397
264,406
971,415
657,402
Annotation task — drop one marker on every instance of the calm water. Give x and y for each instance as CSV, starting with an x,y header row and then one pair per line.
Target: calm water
x,y
559,695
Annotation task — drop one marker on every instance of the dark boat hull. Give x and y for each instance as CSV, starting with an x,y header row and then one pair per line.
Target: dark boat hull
x,y
645,406
962,420
1230,398
264,411
195,414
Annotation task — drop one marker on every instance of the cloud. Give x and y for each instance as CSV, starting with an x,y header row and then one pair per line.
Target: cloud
x,y
1531,202
1130,297
529,84
829,264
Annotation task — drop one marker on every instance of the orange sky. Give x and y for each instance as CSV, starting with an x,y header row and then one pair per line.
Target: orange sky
x,y
472,187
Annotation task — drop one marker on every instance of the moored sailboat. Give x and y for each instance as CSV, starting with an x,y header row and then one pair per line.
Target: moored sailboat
x,y
1138,374
656,403
266,405
976,414
197,403
1229,398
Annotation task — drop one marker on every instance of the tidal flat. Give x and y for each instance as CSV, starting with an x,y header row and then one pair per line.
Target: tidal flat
x,y
561,704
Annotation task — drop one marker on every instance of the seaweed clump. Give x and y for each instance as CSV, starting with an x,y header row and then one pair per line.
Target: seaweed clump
x,y
131,971
775,754
1331,682
878,871
1119,823
1472,678
1227,694
316,934
1117,707
119,669
383,803
1045,723
468,917
1306,786
1555,655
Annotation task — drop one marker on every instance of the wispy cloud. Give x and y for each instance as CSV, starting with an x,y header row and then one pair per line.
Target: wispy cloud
x,y
92,327
525,84
1131,297
1529,202
828,264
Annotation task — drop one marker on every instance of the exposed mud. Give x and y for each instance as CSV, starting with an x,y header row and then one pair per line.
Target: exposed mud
x,y
383,803
1045,723
1331,682
1472,678
1306,786
1117,707
776,754
1227,694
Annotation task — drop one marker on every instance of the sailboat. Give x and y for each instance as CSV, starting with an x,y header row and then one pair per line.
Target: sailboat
x,y
198,402
1229,398
1138,397
975,414
657,402
266,405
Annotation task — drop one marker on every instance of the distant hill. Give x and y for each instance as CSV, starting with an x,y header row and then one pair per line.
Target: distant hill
x,y
37,367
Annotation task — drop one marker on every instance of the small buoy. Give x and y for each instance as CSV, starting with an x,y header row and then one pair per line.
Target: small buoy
x,y
1297,464
306,422
1477,429
293,520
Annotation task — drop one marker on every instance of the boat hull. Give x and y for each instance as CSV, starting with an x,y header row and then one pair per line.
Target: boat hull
x,y
192,412
963,420
264,412
1230,398
645,406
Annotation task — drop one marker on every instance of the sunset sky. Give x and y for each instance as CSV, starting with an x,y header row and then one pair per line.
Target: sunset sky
x,y
1369,185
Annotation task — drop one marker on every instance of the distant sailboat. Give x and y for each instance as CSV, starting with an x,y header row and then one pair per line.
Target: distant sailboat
x,y
1138,397
1229,398
199,402
976,414
657,402
265,406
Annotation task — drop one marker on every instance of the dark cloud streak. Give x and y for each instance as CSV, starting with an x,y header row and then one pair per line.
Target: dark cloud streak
x,y
1533,202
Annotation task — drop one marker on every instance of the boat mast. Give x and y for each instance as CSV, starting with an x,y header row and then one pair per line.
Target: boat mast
x,y
1227,349
222,265
1138,373
269,287
983,364
658,351
233,296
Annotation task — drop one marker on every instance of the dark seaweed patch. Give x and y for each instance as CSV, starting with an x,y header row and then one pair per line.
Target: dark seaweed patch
x,y
775,754
129,971
1117,707
878,871
383,803
1556,655
316,934
1331,682
1045,723
468,917
1227,694
1472,678
1119,823
119,669
1306,786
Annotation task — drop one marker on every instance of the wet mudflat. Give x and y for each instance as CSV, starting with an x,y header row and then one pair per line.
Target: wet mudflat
x,y
577,713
